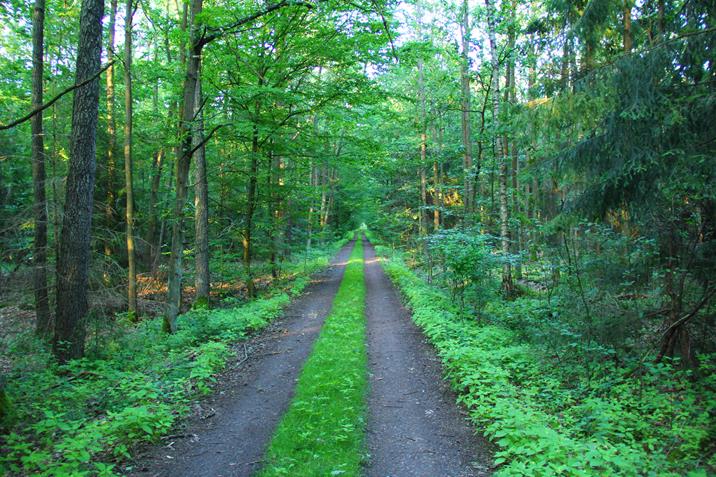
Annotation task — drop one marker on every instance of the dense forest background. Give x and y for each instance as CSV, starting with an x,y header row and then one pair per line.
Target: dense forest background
x,y
549,165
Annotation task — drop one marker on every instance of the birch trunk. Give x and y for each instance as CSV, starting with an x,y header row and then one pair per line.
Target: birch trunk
x,y
500,156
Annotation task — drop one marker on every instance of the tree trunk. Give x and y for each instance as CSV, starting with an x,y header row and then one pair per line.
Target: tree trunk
x,y
128,169
156,226
313,183
507,285
423,224
468,187
437,194
324,199
515,169
42,304
184,152
273,179
309,226
201,205
628,39
111,194
153,232
439,217
73,261
250,207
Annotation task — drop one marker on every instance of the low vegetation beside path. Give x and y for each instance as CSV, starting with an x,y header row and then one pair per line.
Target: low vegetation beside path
x,y
552,416
83,417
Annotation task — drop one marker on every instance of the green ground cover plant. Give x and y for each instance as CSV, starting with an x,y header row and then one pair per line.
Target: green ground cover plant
x,y
552,418
83,417
322,431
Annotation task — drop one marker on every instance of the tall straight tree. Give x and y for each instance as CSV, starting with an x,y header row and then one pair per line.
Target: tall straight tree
x,y
111,166
128,168
468,186
500,156
201,204
42,306
251,196
183,161
73,261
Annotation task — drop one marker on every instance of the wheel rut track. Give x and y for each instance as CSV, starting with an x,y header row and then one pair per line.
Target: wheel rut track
x,y
415,429
229,434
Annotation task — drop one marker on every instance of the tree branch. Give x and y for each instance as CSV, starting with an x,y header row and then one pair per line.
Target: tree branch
x,y
218,32
55,99
205,140
681,321
387,30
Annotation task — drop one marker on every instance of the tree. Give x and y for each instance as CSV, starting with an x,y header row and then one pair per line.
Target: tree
x,y
199,37
42,305
468,181
73,262
110,213
128,168
197,41
202,275
500,153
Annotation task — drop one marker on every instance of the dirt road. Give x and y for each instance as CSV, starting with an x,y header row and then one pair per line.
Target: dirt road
x,y
415,428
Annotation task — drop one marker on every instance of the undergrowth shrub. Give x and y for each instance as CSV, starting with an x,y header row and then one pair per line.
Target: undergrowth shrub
x,y
553,416
465,261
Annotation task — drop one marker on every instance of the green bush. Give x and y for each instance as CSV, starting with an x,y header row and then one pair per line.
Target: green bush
x,y
468,262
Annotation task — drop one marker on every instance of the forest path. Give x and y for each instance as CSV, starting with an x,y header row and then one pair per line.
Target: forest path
x,y
415,429
230,434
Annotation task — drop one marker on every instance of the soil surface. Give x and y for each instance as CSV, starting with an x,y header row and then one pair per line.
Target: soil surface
x,y
230,431
415,428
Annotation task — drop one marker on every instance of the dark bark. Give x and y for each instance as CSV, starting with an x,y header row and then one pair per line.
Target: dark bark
x,y
42,305
182,172
74,257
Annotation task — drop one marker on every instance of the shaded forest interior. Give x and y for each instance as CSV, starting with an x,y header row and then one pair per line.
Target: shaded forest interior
x,y
172,173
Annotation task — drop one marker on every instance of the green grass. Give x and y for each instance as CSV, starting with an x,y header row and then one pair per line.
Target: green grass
x,y
321,434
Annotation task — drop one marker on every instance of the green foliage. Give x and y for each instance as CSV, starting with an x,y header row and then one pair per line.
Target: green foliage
x,y
550,417
322,431
80,418
468,261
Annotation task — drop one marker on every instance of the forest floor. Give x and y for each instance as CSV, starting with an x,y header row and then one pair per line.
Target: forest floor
x,y
414,427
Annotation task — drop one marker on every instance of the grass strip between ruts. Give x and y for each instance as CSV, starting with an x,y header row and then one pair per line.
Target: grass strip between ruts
x,y
323,428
